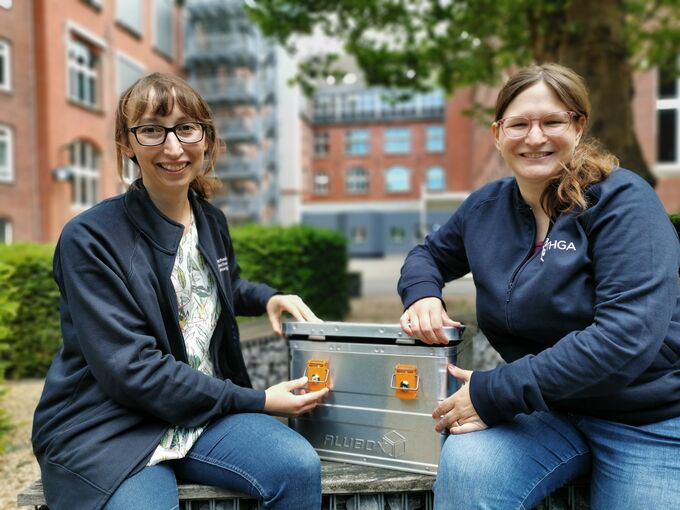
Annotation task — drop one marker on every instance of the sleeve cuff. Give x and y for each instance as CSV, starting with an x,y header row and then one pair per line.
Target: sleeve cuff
x,y
419,291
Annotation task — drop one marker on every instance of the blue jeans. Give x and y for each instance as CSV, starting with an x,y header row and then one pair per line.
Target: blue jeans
x,y
516,465
252,453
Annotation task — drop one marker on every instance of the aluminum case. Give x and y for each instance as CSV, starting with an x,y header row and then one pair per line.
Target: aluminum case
x,y
371,416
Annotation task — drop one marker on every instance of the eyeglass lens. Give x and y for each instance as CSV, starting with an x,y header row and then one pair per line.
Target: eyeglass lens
x,y
551,124
187,132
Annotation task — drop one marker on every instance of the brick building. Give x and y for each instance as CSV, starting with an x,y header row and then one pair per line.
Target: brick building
x,y
63,64
384,173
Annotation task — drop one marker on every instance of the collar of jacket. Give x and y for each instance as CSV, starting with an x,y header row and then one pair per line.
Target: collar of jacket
x,y
152,223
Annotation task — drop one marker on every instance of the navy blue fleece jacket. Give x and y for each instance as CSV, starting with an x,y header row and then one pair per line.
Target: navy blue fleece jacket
x,y
121,378
588,325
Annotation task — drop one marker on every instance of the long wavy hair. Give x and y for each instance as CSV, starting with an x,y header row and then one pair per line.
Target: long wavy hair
x,y
168,90
590,163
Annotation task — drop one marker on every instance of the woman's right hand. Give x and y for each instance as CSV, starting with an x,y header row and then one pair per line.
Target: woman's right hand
x,y
425,320
281,400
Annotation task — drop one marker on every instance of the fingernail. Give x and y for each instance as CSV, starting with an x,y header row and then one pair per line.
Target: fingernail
x,y
451,365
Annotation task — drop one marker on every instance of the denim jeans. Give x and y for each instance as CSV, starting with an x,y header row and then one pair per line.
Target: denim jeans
x,y
516,465
252,453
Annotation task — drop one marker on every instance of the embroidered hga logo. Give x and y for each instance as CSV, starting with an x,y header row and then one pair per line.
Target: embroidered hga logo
x,y
222,264
556,245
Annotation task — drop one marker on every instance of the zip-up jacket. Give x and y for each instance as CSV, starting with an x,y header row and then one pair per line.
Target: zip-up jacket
x,y
121,377
589,325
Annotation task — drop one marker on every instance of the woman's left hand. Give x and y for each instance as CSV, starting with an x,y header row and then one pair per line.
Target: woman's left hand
x,y
294,305
457,413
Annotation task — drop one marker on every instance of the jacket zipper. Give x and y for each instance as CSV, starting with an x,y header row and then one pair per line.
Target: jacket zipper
x,y
515,275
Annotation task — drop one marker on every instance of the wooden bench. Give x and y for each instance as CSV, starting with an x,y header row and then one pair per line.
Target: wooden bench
x,y
344,486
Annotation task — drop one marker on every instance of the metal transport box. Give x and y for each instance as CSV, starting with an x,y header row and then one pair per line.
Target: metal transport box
x,y
384,386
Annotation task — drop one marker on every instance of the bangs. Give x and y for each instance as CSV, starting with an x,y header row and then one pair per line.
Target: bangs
x,y
158,98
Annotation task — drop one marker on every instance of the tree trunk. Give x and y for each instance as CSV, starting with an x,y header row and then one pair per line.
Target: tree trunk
x,y
594,46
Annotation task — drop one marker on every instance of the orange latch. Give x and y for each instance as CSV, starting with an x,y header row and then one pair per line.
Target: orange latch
x,y
317,374
405,381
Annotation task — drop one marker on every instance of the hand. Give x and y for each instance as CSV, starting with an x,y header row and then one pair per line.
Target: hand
x,y
425,319
280,399
294,305
457,412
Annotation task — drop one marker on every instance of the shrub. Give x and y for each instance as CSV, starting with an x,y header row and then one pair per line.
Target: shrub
x,y
303,260
29,310
675,220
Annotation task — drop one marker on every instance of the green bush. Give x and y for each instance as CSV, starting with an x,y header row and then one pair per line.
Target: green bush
x,y
675,220
29,310
307,261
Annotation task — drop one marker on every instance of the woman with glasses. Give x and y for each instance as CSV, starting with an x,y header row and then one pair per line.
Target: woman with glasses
x,y
575,265
150,384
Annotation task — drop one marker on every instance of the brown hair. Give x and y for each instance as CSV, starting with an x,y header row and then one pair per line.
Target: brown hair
x,y
590,163
168,90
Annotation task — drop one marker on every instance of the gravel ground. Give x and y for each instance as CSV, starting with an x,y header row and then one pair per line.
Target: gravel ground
x,y
18,467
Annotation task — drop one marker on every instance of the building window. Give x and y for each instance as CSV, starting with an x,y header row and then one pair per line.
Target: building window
x,y
127,72
398,179
434,139
5,66
129,175
321,182
6,4
357,142
356,180
397,234
435,179
6,154
397,141
5,231
129,14
83,72
668,119
164,27
359,234
321,144
85,166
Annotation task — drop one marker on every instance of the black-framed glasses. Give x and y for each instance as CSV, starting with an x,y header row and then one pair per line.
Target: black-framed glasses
x,y
154,134
551,124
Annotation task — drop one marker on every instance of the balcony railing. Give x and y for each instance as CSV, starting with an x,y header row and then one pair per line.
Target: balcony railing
x,y
242,206
240,129
230,167
235,46
229,89
204,8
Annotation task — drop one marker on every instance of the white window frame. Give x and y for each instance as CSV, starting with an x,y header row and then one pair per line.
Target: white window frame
x,y
77,44
430,171
356,181
6,4
392,170
130,61
164,51
355,139
6,54
121,18
670,168
397,140
7,136
8,230
86,174
435,143
321,140
321,183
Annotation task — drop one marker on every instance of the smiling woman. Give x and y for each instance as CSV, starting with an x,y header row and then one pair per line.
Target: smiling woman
x,y
151,383
575,265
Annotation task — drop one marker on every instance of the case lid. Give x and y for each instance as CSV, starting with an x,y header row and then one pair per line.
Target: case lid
x,y
358,331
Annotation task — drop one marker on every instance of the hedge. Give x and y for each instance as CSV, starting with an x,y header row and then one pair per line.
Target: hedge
x,y
29,310
675,220
297,260
303,260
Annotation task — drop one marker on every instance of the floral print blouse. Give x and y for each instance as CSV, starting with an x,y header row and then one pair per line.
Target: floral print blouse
x,y
199,310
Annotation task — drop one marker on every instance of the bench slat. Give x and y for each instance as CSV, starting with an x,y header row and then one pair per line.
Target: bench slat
x,y
336,478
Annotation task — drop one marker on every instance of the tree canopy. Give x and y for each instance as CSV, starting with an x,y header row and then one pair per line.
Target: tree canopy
x,y
420,44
